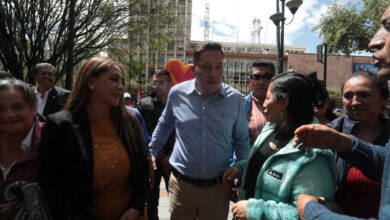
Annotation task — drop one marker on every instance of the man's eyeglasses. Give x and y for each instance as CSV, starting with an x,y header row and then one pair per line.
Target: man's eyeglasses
x,y
265,76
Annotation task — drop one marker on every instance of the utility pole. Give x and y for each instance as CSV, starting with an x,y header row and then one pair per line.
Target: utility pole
x,y
279,20
322,57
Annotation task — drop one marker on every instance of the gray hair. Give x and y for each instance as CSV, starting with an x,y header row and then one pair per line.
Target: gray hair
x,y
40,65
25,89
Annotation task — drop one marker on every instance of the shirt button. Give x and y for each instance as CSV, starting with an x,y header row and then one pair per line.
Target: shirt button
x,y
204,107
203,134
203,151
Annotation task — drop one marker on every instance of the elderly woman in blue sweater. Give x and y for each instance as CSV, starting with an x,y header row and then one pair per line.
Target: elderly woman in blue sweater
x,y
275,173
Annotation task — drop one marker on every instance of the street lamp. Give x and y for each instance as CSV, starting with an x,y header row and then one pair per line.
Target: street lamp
x,y
278,19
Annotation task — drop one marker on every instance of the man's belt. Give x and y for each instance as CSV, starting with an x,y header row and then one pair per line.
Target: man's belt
x,y
198,182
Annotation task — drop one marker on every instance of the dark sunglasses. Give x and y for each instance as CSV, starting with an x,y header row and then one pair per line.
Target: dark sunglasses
x,y
265,76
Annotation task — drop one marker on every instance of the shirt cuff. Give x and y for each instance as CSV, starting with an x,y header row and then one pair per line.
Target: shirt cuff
x,y
153,151
313,210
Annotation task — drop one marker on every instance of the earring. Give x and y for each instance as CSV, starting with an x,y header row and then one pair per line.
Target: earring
x,y
91,87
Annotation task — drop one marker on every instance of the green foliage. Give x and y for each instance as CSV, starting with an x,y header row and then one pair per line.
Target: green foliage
x,y
38,30
349,28
335,96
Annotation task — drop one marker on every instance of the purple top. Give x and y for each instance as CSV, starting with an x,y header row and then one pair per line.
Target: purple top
x,y
27,167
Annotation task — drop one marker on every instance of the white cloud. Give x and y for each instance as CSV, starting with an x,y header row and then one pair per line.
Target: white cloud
x,y
237,15
231,20
307,16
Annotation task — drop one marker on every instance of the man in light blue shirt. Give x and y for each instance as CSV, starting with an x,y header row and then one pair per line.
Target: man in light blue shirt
x,y
211,125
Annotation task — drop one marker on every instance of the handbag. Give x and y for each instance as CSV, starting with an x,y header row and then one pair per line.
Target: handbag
x,y
28,200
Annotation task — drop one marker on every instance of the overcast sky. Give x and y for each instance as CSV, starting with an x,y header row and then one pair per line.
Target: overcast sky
x,y
231,21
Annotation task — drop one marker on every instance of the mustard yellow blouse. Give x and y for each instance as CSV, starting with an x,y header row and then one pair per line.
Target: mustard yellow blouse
x,y
111,170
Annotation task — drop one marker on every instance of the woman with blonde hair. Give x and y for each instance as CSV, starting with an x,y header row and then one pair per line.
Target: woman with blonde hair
x,y
92,159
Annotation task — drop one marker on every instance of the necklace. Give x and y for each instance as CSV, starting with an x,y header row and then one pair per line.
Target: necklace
x,y
101,145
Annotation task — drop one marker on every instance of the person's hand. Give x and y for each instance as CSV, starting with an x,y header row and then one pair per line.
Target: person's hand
x,y
152,169
7,211
130,214
229,175
239,210
321,136
164,163
302,200
152,162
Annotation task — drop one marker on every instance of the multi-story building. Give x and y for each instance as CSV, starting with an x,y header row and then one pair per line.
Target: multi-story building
x,y
183,12
176,48
239,56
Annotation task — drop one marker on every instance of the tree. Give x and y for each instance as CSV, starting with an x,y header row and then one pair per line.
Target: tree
x,y
349,28
33,31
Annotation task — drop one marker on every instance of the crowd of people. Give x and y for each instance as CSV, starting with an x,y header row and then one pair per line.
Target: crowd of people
x,y
278,153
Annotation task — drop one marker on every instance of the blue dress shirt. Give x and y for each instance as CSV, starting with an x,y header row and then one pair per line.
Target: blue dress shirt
x,y
142,123
208,130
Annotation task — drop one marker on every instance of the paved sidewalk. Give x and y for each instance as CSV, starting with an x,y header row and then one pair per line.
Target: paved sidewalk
x,y
163,208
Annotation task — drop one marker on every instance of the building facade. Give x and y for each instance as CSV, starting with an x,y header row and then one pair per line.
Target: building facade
x,y
339,67
176,48
240,56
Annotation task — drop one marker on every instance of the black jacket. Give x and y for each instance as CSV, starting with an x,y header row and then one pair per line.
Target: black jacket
x,y
66,167
151,110
56,100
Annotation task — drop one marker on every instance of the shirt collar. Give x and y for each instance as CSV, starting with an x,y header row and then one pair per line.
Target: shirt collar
x,y
192,88
44,94
26,143
257,100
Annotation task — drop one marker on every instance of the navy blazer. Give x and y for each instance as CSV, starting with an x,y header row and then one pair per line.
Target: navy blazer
x,y
66,167
56,100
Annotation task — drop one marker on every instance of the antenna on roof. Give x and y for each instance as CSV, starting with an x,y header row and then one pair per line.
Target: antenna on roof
x,y
256,30
206,22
